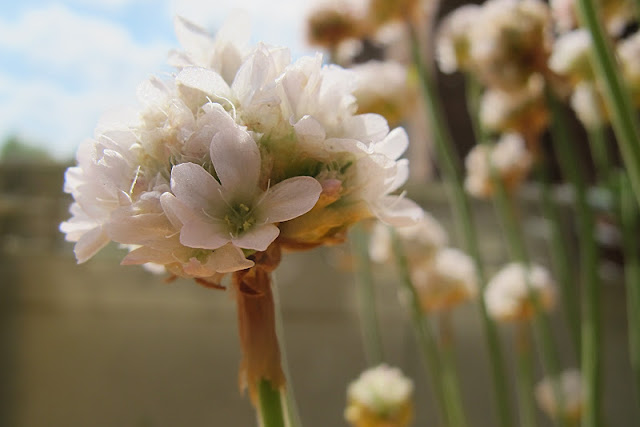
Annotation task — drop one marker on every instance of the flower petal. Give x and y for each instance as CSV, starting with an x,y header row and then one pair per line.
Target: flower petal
x,y
205,80
201,234
394,144
236,159
397,211
90,243
258,238
228,258
195,187
289,199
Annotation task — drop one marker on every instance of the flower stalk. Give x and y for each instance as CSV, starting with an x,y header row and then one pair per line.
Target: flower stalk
x,y
270,407
464,219
525,374
616,96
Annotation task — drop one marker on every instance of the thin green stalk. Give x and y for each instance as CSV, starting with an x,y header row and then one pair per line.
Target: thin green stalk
x,y
450,378
631,227
600,154
424,334
366,296
524,380
569,292
451,169
270,411
589,261
616,96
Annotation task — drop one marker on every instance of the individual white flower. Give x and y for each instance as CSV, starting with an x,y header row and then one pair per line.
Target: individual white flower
x,y
392,100
380,396
570,384
508,295
570,55
235,209
223,53
420,241
510,40
588,104
523,110
452,42
446,280
510,159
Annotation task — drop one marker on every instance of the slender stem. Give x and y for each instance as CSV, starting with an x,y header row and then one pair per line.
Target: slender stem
x,y
462,211
270,404
450,378
291,406
589,257
616,96
366,296
525,375
424,334
631,227
560,258
600,154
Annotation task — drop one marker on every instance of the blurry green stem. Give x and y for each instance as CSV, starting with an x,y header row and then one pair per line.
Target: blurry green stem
x,y
270,405
424,334
462,210
589,262
600,154
525,374
616,97
450,380
631,228
366,296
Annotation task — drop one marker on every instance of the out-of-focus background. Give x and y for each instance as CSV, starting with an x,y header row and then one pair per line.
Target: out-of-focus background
x,y
103,345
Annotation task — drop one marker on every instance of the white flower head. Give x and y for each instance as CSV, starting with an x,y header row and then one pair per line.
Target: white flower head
x,y
420,240
510,159
452,43
445,281
589,106
235,210
508,294
570,55
380,394
570,385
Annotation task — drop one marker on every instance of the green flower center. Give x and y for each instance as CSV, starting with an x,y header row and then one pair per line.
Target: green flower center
x,y
240,219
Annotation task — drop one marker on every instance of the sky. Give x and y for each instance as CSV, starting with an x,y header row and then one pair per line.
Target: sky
x,y
65,63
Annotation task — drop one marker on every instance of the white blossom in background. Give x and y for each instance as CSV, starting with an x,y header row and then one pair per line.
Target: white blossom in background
x,y
510,159
453,42
510,40
381,396
330,22
522,110
420,241
564,15
570,55
570,384
588,104
445,280
508,295
629,54
238,148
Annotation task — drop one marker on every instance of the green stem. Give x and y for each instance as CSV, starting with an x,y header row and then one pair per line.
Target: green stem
x,y
600,154
525,375
450,378
366,296
270,405
462,211
589,261
631,227
616,96
560,258
424,334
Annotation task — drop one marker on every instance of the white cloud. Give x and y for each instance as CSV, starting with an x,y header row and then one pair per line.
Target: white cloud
x,y
78,67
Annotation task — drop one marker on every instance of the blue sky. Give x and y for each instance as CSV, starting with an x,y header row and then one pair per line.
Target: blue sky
x,y
64,63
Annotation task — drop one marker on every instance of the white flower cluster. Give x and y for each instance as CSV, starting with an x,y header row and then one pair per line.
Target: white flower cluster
x,y
235,149
573,397
380,393
508,295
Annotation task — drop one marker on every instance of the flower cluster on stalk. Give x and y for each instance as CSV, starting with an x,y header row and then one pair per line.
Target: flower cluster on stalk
x,y
235,149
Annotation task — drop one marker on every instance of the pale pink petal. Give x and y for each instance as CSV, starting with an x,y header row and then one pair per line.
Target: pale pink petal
x,y
90,243
401,176
236,159
206,81
228,258
177,212
394,144
367,127
198,233
258,238
309,129
289,199
146,254
397,211
191,36
195,187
